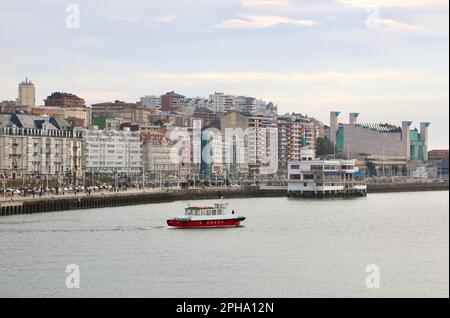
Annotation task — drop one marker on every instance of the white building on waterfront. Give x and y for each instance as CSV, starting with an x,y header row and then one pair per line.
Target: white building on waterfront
x,y
314,177
37,148
157,158
112,151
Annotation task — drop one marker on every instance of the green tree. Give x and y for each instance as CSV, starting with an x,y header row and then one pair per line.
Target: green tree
x,y
324,147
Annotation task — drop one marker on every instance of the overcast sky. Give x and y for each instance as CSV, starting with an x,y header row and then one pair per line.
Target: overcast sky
x,y
387,59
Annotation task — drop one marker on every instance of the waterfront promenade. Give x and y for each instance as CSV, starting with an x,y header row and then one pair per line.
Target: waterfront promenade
x,y
372,188
133,196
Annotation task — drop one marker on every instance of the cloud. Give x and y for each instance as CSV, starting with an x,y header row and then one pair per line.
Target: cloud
x,y
263,21
265,3
394,3
397,25
298,77
149,21
165,18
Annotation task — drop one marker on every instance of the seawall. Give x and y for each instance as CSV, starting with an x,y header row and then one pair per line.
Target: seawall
x,y
39,205
406,187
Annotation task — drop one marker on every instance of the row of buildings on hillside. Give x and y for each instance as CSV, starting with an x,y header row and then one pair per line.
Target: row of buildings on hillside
x,y
171,107
223,135
217,103
242,146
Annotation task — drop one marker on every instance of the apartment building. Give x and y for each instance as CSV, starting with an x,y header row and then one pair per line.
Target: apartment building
x,y
33,147
112,151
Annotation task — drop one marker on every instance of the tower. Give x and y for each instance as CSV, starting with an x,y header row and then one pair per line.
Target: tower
x,y
353,118
27,95
424,138
333,126
406,139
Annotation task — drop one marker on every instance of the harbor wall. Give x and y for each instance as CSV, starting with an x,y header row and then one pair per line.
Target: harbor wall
x,y
39,205
54,204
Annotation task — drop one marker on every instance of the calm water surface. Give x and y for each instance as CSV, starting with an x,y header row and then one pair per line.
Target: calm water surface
x,y
287,248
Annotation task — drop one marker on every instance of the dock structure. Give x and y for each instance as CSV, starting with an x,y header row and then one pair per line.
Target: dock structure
x,y
311,177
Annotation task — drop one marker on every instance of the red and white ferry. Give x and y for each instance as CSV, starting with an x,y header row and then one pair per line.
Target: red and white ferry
x,y
206,217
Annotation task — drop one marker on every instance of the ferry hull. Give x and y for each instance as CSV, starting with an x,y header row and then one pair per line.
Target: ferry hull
x,y
206,223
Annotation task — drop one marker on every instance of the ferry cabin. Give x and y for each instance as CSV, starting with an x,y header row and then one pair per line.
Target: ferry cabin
x,y
312,177
217,209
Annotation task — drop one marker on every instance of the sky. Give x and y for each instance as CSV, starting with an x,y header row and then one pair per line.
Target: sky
x,y
386,59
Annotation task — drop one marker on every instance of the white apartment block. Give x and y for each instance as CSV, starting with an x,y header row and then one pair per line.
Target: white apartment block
x,y
158,159
246,105
221,103
27,153
151,102
189,105
112,151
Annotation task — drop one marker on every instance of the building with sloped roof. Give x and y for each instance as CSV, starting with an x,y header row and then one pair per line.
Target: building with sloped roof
x,y
34,148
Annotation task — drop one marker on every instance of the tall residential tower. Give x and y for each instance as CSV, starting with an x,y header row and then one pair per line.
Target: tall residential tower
x,y
27,94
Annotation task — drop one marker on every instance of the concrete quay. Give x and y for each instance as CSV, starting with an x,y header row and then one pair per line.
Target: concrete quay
x,y
29,205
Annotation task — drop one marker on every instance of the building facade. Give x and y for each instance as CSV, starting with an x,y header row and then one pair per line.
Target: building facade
x,y
312,177
151,102
120,110
295,131
36,148
221,103
27,94
157,158
438,155
64,100
246,105
111,152
381,140
259,136
171,101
